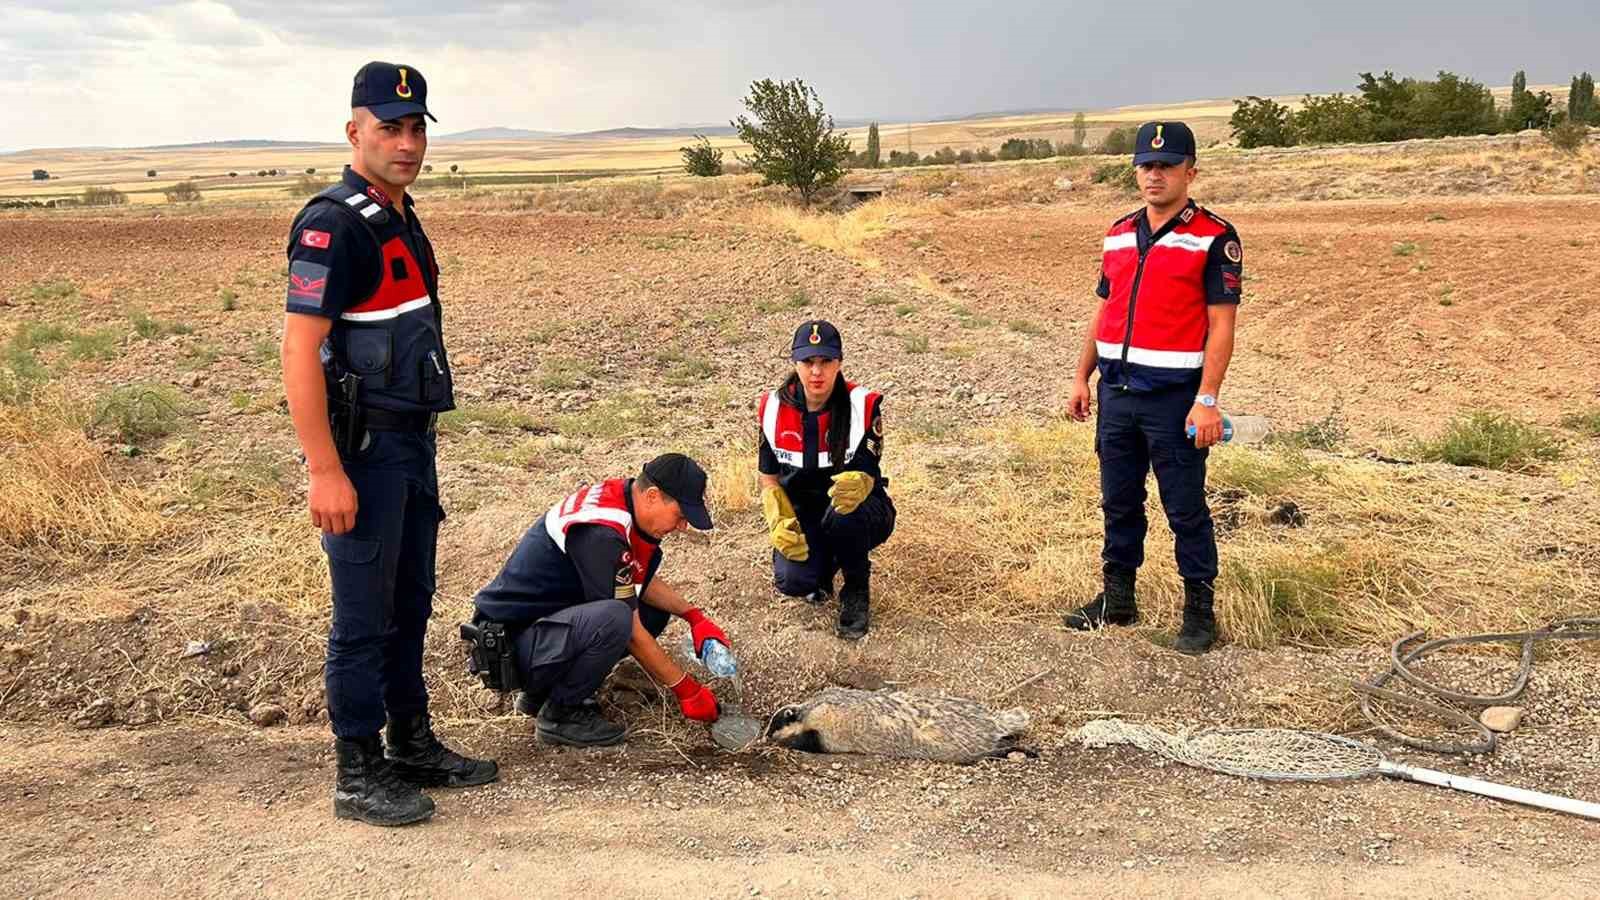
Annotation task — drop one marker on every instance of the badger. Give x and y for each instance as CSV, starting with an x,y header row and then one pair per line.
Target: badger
x,y
898,723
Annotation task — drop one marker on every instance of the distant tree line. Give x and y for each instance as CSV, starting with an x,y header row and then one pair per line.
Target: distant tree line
x,y
1386,108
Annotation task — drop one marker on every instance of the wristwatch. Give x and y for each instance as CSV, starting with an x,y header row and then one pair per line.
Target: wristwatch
x,y
1207,400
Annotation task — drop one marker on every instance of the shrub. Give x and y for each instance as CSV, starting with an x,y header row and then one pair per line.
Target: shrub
x,y
137,412
95,195
701,158
1488,440
1118,175
1568,137
182,192
307,185
1261,122
1118,142
233,174
150,173
1339,119
311,170
1587,421
41,175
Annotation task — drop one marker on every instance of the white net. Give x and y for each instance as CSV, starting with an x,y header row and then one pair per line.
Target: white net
x,y
1270,753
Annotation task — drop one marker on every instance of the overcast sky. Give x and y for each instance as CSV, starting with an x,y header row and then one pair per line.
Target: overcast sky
x,y
121,73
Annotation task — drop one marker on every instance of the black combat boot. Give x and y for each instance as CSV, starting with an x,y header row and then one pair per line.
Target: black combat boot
x,y
416,755
1114,605
367,789
855,600
1199,629
577,726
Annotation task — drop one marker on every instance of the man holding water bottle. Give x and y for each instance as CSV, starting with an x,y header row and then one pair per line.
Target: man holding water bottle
x,y
1161,340
580,592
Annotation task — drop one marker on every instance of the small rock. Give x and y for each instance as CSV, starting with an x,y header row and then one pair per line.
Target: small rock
x,y
1016,756
1501,718
196,380
1063,184
1386,836
98,714
267,714
196,648
1421,387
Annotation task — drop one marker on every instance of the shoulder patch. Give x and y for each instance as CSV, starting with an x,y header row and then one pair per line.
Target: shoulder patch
x,y
1218,219
307,283
1232,251
313,238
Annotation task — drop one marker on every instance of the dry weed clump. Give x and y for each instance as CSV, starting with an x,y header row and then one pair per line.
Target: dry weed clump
x,y
846,234
1011,530
60,503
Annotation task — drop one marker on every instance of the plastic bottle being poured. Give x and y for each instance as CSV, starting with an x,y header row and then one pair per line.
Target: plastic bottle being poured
x,y
1241,429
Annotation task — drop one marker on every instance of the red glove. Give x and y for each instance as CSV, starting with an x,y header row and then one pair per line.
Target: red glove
x,y
696,700
701,628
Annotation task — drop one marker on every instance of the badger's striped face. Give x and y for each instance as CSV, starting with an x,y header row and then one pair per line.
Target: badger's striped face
x,y
788,729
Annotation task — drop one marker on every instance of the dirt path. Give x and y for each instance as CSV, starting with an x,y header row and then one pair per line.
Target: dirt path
x,y
197,810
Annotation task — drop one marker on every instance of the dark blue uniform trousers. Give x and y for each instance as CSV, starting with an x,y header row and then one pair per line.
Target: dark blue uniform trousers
x,y
1134,433
567,655
836,542
383,584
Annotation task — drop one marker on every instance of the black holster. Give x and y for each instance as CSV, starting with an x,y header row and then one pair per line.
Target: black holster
x,y
345,416
492,658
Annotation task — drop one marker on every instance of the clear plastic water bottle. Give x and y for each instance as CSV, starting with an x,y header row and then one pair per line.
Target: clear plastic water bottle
x,y
717,658
1241,429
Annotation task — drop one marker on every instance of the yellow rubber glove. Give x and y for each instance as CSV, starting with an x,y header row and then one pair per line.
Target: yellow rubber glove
x,y
849,490
782,526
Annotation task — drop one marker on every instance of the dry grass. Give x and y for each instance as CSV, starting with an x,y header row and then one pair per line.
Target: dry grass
x,y
732,486
60,504
846,234
1386,550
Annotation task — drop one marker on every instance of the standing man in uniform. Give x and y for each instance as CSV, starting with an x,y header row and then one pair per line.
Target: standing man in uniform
x,y
366,375
1161,340
580,592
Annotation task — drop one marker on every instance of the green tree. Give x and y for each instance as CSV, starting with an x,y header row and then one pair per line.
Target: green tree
x,y
41,175
1580,100
701,158
1339,119
1118,142
1388,101
791,137
1527,109
1452,105
874,149
1258,122
1080,130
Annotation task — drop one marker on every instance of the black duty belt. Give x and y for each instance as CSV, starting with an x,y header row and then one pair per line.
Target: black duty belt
x,y
388,420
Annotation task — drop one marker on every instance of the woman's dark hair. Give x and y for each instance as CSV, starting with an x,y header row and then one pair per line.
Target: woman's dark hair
x,y
838,407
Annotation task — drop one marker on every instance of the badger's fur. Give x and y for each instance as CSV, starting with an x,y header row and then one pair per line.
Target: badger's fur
x,y
898,723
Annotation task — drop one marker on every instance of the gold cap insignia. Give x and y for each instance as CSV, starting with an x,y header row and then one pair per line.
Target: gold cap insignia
x,y
403,90
1156,143
815,337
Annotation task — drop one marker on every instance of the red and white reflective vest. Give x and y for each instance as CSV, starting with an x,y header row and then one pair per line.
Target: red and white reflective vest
x,y
783,426
605,504
1153,331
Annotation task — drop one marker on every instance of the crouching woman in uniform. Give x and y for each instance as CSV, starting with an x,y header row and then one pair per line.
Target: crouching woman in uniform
x,y
823,496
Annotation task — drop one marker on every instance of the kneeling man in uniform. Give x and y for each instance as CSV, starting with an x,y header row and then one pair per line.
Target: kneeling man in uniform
x,y
580,591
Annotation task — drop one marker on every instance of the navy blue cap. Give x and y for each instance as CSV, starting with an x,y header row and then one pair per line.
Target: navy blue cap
x,y
390,90
682,479
1166,142
817,338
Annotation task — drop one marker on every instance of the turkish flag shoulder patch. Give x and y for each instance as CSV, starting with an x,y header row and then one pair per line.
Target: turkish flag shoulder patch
x,y
311,237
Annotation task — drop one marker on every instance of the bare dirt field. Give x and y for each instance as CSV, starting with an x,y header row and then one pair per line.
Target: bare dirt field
x,y
153,498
